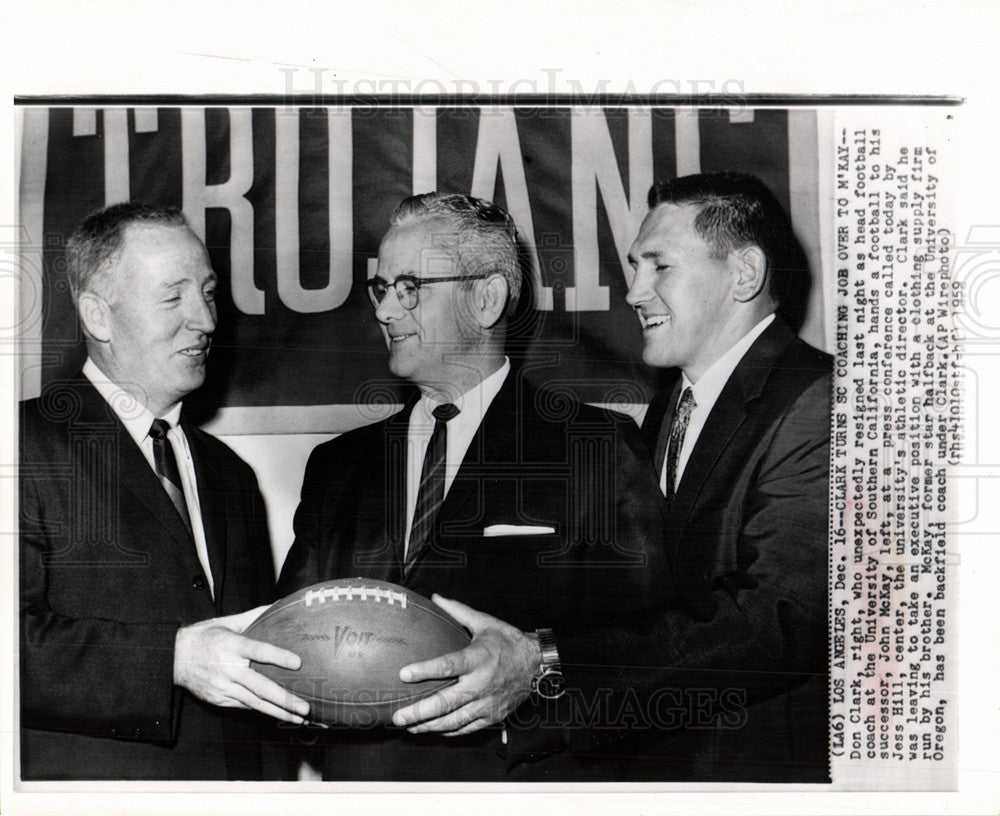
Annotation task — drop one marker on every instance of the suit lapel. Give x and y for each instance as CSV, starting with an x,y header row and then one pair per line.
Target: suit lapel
x,y
658,435
745,385
139,480
727,415
393,511
134,475
370,511
212,502
494,435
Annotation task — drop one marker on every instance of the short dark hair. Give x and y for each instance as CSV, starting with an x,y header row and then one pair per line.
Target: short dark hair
x,y
99,239
734,211
487,236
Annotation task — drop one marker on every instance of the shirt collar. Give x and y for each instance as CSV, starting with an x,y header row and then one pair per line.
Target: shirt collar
x,y
135,416
710,384
474,402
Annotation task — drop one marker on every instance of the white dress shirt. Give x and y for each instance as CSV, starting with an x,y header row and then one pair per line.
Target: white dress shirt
x,y
137,420
472,406
706,392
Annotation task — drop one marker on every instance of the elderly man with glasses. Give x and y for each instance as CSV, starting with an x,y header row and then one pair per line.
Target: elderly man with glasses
x,y
487,493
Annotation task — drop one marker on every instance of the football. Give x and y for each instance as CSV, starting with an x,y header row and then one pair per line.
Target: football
x,y
354,635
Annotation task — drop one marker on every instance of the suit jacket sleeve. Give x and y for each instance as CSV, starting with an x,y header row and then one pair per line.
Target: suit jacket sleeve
x,y
86,675
758,623
302,564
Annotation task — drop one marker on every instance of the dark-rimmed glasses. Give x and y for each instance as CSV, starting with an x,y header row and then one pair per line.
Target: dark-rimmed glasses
x,y
408,288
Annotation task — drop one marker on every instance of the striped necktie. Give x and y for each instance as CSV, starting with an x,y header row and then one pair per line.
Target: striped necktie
x,y
165,465
430,495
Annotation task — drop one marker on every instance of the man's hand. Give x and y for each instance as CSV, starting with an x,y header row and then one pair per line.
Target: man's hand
x,y
494,676
212,661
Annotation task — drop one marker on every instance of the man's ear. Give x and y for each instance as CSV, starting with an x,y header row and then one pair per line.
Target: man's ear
x,y
491,300
95,316
751,270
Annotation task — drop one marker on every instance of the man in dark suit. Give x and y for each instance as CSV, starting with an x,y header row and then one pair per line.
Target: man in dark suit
x,y
143,539
546,510
727,680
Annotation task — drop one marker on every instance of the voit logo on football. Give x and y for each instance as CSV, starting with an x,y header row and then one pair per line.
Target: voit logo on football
x,y
350,639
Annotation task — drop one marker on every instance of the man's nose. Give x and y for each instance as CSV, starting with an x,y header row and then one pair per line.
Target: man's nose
x,y
389,308
638,289
202,316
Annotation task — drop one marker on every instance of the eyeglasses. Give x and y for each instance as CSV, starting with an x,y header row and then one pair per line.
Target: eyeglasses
x,y
408,288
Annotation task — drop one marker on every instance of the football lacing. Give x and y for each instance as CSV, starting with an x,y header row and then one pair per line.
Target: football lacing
x,y
350,593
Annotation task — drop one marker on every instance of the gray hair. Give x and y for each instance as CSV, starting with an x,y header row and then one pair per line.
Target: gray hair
x,y
487,236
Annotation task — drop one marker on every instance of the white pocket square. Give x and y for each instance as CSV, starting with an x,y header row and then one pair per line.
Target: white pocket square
x,y
515,529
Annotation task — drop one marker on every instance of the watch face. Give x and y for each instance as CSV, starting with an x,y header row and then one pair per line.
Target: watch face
x,y
551,684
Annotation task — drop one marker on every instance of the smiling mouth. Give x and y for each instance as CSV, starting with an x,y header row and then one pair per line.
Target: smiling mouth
x,y
652,321
194,351
399,338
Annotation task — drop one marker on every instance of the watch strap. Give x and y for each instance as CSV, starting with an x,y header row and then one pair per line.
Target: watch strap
x,y
548,680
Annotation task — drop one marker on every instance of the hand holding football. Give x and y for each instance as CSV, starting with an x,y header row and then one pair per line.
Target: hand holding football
x,y
354,635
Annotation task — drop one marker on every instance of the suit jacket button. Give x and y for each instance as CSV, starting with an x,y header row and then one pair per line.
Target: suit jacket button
x,y
113,732
199,582
137,732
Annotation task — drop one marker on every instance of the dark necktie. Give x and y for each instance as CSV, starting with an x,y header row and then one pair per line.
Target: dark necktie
x,y
682,416
430,496
165,464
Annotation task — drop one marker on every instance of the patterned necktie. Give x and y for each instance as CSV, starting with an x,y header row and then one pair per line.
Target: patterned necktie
x,y
165,464
682,416
431,493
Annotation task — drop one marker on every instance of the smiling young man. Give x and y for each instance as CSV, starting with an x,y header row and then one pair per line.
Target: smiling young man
x,y
741,446
138,531
481,491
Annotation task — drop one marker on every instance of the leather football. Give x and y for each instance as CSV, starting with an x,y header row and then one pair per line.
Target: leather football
x,y
354,635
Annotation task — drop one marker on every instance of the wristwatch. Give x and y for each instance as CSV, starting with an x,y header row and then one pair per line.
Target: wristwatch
x,y
548,682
